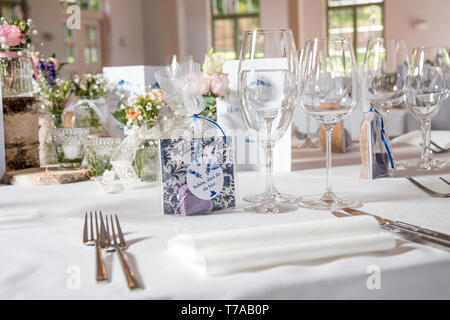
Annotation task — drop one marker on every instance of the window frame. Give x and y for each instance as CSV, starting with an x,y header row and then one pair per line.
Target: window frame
x,y
235,17
354,8
89,18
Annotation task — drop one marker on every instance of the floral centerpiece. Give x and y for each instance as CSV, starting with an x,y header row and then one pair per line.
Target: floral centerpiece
x,y
53,91
214,83
90,111
16,66
141,115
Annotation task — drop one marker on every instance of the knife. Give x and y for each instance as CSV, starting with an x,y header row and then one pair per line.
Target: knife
x,y
402,225
407,234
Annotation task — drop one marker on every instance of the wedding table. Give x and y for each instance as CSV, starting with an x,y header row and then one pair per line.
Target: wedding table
x,y
42,256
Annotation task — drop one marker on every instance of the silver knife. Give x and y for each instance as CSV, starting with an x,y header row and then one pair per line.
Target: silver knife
x,y
402,225
407,234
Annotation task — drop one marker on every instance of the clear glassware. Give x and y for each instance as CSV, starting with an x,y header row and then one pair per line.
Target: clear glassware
x,y
98,154
16,73
427,86
69,146
268,89
329,86
309,143
91,113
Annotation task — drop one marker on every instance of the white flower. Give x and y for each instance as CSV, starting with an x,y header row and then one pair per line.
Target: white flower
x,y
159,107
152,96
20,53
29,22
213,63
35,32
122,96
4,46
3,39
136,109
122,106
140,118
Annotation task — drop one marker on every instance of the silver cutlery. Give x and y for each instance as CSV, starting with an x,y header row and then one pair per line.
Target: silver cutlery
x,y
447,182
406,234
89,239
400,224
428,190
440,149
118,246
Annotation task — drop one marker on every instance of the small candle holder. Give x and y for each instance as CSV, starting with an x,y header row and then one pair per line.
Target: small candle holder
x,y
98,154
69,146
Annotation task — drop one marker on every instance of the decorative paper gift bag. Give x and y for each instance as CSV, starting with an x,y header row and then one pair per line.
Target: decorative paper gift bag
x,y
197,175
376,156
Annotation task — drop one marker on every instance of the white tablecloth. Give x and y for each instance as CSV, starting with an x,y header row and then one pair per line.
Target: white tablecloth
x,y
41,252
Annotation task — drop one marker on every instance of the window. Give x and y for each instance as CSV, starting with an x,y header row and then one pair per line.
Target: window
x,y
230,18
82,48
360,20
12,9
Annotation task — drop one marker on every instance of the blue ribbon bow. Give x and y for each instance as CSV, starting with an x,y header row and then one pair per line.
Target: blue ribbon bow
x,y
383,137
197,116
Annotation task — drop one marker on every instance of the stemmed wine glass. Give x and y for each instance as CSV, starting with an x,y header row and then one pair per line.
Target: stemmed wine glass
x,y
427,86
268,92
329,86
384,70
308,143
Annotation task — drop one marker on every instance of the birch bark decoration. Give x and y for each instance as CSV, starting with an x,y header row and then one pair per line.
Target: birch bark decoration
x,y
21,126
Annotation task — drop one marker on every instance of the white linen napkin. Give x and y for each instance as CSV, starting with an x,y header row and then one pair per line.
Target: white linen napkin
x,y
223,252
440,137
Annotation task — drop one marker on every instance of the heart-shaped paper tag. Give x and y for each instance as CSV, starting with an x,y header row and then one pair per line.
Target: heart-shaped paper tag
x,y
205,179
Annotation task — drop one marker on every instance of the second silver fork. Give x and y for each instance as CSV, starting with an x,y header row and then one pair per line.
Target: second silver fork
x,y
118,246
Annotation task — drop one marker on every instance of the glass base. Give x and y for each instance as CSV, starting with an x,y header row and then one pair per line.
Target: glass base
x,y
271,206
329,201
279,197
432,164
74,165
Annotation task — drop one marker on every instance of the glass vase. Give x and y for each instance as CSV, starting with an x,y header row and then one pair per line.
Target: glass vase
x,y
16,73
48,122
98,154
69,146
146,162
91,113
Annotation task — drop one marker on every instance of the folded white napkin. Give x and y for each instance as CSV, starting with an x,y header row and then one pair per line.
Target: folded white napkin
x,y
440,137
229,251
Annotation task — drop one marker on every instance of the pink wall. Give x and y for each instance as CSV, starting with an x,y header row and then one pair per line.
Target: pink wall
x,y
401,16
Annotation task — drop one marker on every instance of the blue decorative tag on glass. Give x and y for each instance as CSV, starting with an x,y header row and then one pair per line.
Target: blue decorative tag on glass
x,y
197,175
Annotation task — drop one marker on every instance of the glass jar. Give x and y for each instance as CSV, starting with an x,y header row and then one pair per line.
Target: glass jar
x,y
98,154
69,146
91,113
16,73
146,162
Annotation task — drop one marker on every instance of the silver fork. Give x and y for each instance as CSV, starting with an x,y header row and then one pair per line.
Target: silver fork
x,y
440,149
447,182
427,190
97,241
129,275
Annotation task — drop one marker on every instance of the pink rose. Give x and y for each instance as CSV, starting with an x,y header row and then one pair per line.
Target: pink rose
x,y
12,34
206,83
219,83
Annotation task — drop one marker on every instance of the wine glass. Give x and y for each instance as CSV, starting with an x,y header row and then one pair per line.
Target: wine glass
x,y
427,86
385,65
329,86
308,143
268,93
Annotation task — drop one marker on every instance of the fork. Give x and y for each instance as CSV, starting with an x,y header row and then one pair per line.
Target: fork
x,y
427,190
447,182
440,149
118,246
97,241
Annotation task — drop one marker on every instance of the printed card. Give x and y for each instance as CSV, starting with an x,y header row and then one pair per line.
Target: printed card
x,y
197,175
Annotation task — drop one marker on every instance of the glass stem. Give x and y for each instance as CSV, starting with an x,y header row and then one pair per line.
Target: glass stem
x,y
268,148
269,169
329,133
426,141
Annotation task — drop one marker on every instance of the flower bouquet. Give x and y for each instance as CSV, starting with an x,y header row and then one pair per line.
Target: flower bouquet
x,y
16,66
90,111
214,83
141,116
